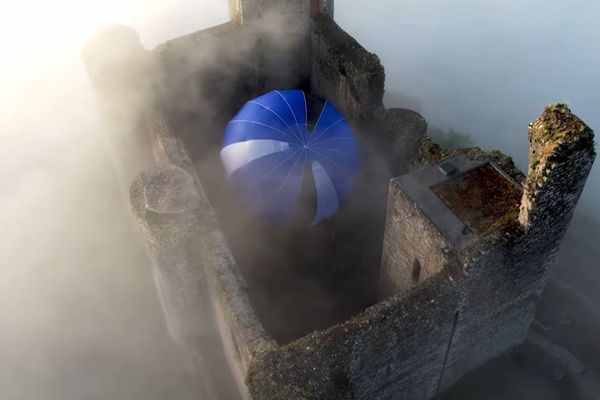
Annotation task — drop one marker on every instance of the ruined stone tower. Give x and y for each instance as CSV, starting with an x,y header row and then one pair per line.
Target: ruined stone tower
x,y
463,215
417,295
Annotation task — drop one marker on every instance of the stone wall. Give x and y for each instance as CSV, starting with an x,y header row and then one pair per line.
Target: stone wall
x,y
203,294
321,7
409,238
250,11
498,293
393,350
504,276
344,72
418,343
328,7
561,155
205,77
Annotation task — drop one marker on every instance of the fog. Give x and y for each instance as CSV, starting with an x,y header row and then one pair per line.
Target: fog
x,y
79,311
80,315
486,68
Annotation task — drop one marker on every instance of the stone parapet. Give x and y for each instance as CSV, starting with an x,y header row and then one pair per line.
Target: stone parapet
x,y
344,72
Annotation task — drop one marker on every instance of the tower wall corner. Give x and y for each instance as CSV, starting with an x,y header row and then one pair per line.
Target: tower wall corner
x,y
413,248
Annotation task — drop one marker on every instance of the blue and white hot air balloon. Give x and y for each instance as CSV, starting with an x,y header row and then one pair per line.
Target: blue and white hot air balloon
x,y
279,139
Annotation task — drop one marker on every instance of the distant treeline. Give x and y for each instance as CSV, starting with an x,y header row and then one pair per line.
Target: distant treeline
x,y
449,138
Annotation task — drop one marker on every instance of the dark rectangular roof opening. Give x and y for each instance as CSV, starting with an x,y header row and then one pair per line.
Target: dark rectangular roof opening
x,y
483,198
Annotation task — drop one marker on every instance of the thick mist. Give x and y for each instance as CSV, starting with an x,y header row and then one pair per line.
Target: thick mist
x,y
79,310
486,68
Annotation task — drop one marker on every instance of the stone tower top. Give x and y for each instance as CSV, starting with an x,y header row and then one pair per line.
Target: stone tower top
x,y
561,154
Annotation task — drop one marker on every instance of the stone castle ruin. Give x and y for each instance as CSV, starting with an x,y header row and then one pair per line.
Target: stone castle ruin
x,y
439,256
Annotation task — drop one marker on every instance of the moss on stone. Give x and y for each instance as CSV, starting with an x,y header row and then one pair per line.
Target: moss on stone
x,y
555,123
533,164
553,138
431,153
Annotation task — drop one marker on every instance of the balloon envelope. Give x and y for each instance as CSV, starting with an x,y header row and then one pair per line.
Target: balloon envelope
x,y
274,140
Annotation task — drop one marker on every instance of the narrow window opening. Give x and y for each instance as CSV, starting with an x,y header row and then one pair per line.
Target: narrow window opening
x,y
416,271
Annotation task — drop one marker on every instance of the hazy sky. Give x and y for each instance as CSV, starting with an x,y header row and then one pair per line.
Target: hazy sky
x,y
487,67
76,294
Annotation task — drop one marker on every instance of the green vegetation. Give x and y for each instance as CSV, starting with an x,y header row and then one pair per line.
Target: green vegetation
x,y
450,139
534,163
557,122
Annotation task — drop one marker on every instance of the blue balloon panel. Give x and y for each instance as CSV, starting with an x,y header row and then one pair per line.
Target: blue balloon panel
x,y
271,142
